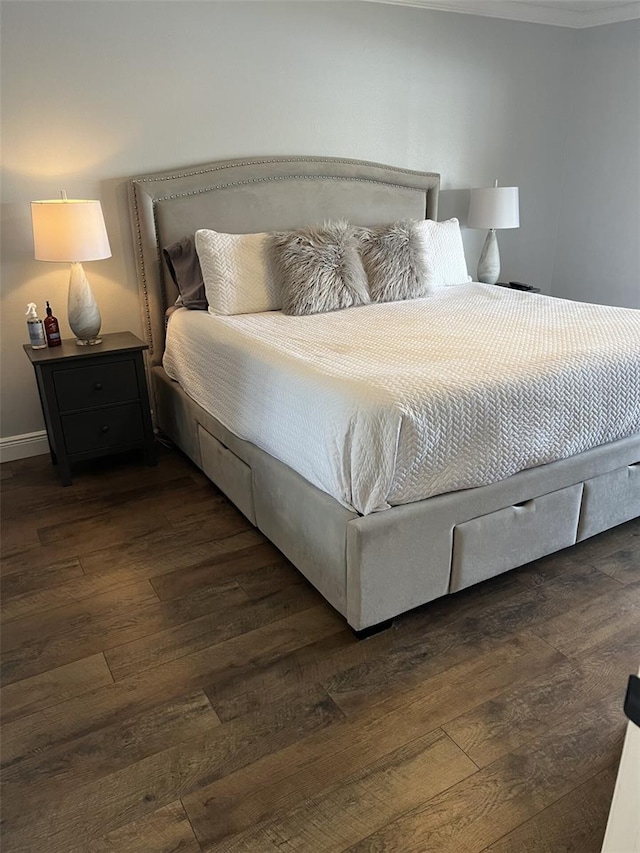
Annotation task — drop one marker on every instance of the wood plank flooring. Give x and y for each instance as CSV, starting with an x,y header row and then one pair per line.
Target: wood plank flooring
x,y
171,683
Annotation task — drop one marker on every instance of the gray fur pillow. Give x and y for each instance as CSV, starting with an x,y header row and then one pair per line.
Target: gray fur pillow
x,y
319,269
395,260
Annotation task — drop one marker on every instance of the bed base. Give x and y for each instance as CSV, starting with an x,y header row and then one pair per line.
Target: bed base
x,y
372,568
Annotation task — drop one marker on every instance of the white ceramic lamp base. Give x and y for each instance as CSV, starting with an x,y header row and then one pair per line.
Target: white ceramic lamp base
x,y
83,311
489,263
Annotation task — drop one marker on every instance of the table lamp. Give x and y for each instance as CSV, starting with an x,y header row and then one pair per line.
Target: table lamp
x,y
492,208
72,231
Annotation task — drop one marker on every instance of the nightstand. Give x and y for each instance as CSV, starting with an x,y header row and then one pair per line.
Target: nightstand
x,y
94,399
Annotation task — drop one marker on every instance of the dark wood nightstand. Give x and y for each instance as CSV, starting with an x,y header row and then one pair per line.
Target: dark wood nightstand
x,y
94,399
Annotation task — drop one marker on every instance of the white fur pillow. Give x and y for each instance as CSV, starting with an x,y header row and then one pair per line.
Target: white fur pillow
x,y
395,260
320,269
445,253
238,272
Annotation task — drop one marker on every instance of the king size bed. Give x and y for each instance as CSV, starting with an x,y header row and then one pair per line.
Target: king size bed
x,y
393,452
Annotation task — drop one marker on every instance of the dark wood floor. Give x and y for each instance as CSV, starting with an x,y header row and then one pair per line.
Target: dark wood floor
x,y
171,683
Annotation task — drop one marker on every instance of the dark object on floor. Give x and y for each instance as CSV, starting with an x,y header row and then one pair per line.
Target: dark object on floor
x,y
632,700
372,629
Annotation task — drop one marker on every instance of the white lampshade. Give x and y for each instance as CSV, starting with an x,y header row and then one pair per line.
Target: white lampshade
x,y
69,230
494,207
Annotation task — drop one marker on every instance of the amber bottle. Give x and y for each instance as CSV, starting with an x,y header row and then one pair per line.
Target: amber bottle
x,y
51,328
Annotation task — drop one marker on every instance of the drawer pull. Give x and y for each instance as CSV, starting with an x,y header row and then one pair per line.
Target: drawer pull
x,y
105,428
98,386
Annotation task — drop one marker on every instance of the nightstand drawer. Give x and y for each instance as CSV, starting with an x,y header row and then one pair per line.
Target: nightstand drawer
x,y
102,428
95,385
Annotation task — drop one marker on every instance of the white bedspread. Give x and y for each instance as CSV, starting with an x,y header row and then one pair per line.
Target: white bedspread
x,y
387,404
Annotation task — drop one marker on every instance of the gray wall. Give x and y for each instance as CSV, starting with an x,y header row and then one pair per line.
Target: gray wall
x,y
95,92
598,245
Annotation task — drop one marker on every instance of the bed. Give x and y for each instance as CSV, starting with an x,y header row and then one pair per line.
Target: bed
x,y
378,539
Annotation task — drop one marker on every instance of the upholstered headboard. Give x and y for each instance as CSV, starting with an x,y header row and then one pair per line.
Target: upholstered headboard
x,y
244,196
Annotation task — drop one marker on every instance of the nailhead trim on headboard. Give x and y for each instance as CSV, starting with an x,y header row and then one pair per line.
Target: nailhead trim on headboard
x,y
236,163
143,272
283,178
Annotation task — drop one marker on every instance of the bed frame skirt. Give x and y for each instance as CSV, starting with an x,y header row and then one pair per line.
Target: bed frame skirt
x,y
372,568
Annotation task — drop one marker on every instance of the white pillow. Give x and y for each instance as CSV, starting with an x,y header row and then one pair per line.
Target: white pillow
x,y
237,272
445,253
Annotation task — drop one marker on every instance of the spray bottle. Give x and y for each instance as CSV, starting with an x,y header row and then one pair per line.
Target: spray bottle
x,y
35,328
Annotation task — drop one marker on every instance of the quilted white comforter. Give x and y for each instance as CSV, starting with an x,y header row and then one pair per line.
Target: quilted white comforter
x,y
387,404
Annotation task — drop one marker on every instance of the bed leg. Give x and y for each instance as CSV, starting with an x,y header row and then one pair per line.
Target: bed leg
x,y
372,629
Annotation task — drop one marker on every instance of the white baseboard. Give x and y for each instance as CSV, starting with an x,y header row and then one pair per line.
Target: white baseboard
x,y
21,446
